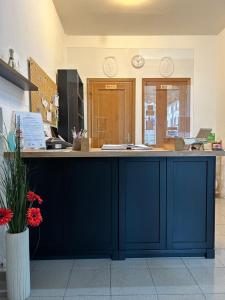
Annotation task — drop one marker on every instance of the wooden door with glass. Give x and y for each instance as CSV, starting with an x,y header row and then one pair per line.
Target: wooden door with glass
x,y
166,109
111,111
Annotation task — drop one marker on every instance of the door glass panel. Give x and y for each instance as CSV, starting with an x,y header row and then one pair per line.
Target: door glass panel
x,y
166,110
150,114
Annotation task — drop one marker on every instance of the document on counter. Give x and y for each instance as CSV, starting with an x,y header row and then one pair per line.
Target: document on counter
x,y
32,128
125,147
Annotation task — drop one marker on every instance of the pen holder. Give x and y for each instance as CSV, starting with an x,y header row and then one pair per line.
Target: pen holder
x,y
76,144
85,145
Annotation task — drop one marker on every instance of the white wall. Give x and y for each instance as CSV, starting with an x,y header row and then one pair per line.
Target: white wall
x,y
33,29
81,54
220,115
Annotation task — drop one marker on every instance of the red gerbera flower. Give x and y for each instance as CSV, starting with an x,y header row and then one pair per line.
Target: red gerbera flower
x,y
31,196
6,216
39,200
34,217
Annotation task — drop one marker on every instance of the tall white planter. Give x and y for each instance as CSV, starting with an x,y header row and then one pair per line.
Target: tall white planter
x,y
18,265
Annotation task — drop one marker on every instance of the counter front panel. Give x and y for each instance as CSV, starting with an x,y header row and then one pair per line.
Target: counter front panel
x,y
122,207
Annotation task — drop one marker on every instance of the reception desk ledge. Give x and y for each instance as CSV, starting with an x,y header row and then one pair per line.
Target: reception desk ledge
x,y
95,152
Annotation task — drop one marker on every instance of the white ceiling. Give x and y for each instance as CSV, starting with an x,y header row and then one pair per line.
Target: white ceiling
x,y
150,17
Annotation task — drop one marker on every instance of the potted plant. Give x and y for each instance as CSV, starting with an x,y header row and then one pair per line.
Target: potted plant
x,y
17,214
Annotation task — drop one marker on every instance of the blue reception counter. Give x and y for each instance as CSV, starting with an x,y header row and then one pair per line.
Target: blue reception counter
x,y
122,206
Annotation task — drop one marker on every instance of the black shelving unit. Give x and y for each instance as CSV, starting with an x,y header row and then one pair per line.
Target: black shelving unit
x,y
16,78
71,103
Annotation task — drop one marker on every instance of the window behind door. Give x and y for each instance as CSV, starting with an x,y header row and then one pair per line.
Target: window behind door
x,y
166,109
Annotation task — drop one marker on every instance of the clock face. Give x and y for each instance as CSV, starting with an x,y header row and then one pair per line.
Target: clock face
x,y
110,67
137,61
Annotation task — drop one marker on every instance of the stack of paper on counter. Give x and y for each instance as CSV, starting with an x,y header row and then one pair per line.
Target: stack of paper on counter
x,y
125,147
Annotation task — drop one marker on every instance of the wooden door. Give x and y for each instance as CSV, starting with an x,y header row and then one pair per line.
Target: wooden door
x,y
111,111
166,109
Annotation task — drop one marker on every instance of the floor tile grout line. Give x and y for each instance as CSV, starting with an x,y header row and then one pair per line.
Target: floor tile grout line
x,y
69,277
150,273
192,276
110,280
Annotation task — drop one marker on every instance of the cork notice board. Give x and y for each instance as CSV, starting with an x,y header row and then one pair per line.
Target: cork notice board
x,y
44,100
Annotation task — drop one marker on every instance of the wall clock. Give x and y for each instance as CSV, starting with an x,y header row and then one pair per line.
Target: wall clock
x,y
166,67
110,66
137,61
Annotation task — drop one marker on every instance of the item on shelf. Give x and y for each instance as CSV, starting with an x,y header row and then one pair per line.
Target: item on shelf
x,y
174,143
211,137
198,146
76,144
11,61
85,144
54,143
85,141
217,146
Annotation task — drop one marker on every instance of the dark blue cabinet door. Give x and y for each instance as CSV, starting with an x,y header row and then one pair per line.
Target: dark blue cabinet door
x,y
142,205
80,208
190,203
91,207
46,177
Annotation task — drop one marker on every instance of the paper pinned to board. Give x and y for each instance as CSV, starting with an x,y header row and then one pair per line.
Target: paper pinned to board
x,y
49,116
31,126
44,102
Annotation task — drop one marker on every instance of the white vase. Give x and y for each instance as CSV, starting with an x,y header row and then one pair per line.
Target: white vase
x,y
18,265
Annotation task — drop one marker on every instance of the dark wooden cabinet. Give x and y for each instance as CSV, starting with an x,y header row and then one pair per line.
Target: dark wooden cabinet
x,y
142,202
190,203
71,106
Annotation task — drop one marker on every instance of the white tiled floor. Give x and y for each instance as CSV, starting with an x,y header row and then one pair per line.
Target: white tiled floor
x,y
133,279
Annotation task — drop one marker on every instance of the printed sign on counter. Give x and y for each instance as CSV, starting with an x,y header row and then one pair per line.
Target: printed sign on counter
x,y
31,126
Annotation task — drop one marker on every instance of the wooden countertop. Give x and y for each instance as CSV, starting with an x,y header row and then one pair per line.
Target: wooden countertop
x,y
124,153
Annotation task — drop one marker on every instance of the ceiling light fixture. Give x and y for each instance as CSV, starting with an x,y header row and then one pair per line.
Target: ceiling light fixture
x,y
130,2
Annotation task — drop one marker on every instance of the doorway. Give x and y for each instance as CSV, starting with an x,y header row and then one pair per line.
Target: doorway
x,y
166,109
111,111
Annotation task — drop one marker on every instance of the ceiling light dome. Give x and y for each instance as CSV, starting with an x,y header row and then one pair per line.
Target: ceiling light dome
x,y
130,2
